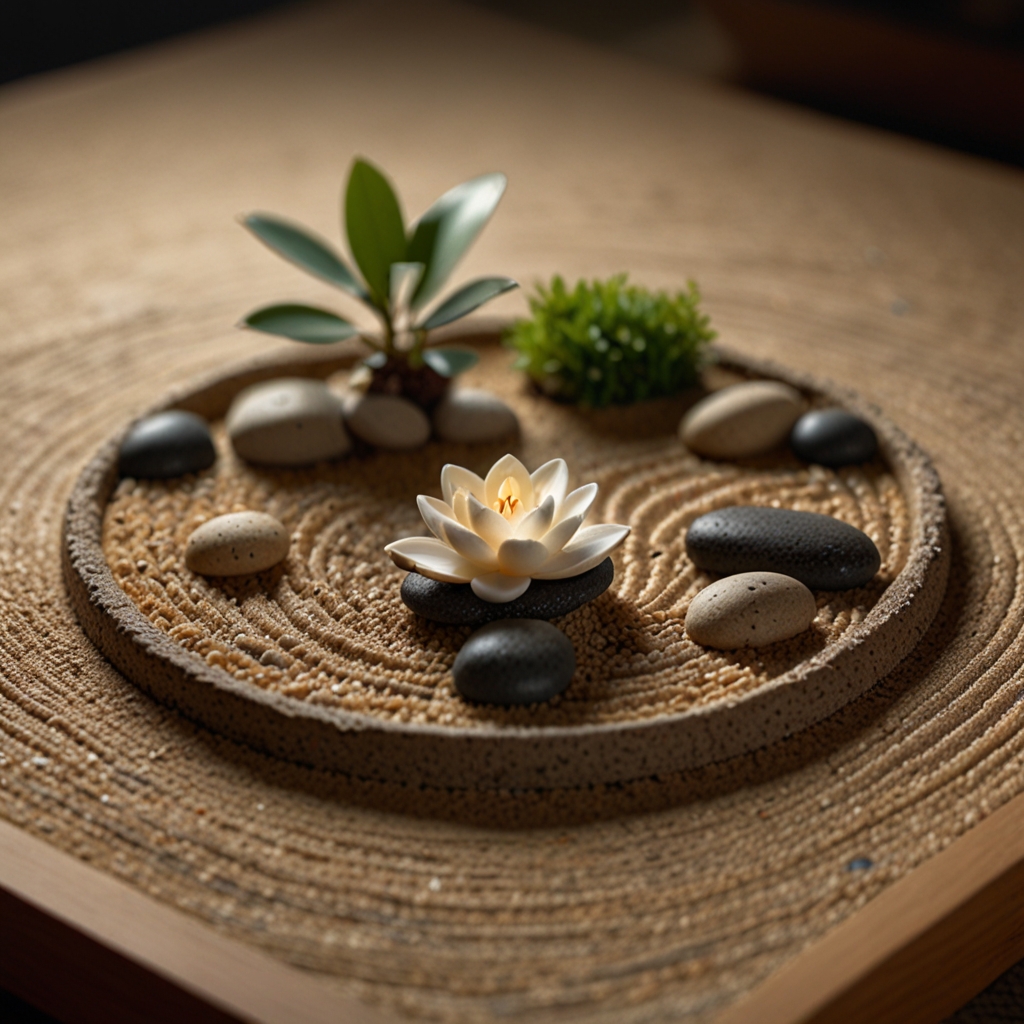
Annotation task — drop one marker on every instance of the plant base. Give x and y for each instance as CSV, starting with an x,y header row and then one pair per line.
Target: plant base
x,y
420,384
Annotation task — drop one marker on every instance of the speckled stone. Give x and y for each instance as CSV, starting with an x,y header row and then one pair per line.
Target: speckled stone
x,y
289,421
821,552
750,609
473,416
237,544
742,420
456,604
167,444
514,661
833,437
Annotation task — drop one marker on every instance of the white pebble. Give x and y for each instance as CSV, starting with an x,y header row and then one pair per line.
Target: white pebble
x,y
742,420
387,421
473,415
290,421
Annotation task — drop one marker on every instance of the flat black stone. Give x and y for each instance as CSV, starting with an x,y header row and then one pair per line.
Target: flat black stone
x,y
168,444
514,661
821,552
456,604
834,438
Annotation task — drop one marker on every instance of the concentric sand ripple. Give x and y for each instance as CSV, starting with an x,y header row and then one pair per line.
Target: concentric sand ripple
x,y
330,627
318,661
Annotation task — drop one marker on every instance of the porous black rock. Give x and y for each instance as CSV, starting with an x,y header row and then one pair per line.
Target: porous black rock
x,y
514,661
821,552
834,438
456,604
167,444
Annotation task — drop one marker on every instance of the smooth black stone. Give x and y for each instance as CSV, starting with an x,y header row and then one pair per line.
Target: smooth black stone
x,y
168,444
833,437
514,661
821,552
456,604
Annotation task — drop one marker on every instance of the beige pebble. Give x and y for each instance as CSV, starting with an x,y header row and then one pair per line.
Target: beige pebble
x,y
473,415
237,544
387,421
750,609
742,420
290,421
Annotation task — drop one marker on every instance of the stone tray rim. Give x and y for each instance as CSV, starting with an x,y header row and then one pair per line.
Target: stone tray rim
x,y
491,756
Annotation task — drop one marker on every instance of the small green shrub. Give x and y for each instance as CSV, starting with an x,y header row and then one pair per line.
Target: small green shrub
x,y
611,343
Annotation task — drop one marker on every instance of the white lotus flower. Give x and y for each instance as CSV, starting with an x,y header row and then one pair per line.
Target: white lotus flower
x,y
499,533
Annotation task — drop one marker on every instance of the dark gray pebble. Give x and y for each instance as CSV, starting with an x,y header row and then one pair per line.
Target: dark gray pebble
x,y
455,603
514,661
833,437
168,444
821,552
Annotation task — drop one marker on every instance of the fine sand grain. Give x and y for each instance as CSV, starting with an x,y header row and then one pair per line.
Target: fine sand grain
x,y
329,626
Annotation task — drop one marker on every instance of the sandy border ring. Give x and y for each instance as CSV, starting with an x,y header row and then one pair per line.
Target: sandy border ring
x,y
506,757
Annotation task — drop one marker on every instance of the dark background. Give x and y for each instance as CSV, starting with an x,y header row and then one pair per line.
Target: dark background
x,y
950,72
45,34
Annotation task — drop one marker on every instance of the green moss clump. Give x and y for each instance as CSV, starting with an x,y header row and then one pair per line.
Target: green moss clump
x,y
609,342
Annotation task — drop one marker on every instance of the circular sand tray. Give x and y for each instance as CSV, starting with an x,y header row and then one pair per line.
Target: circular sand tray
x,y
317,661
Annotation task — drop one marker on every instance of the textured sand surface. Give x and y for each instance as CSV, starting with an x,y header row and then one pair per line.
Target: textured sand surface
x,y
329,626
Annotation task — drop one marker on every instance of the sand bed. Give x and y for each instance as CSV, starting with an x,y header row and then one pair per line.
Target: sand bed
x,y
328,626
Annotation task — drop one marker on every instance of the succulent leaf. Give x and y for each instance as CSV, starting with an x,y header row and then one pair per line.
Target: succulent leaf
x,y
373,223
301,323
304,249
450,362
403,280
466,299
444,233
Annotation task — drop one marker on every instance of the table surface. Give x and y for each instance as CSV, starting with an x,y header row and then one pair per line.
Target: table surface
x,y
848,252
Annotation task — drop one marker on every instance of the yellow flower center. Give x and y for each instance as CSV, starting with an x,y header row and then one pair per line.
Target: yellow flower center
x,y
508,498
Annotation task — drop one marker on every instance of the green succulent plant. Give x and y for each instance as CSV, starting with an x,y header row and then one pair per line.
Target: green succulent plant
x,y
609,342
401,271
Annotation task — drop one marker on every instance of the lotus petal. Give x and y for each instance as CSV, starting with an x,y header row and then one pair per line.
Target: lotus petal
x,y
431,557
453,477
578,502
470,546
535,524
522,557
561,533
498,588
460,506
589,547
507,466
551,479
434,513
491,525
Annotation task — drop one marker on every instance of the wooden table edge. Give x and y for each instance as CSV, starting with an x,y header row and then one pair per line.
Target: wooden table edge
x,y
84,946
959,916
916,952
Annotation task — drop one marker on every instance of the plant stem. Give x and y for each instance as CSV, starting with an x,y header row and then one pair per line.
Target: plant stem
x,y
416,352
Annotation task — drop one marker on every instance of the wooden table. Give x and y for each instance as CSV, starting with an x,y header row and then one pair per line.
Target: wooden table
x,y
603,156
